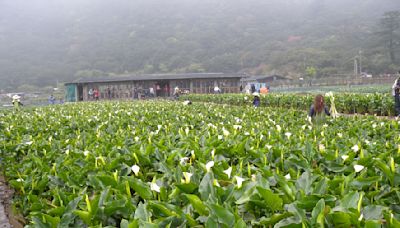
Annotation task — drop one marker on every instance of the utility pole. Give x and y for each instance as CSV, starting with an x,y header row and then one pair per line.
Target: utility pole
x,y
359,55
355,67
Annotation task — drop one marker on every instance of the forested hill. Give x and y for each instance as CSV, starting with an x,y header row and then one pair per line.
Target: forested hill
x,y
44,41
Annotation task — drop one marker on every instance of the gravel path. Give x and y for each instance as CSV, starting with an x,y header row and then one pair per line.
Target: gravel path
x,y
4,195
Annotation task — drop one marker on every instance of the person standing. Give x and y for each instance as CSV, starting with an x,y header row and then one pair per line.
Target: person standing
x,y
16,101
90,93
52,99
176,92
96,94
396,95
109,93
217,90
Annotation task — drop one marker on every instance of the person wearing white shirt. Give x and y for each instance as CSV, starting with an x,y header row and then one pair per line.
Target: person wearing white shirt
x,y
217,89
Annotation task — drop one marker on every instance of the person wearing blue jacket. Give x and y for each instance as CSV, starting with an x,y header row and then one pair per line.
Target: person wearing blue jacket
x,y
256,100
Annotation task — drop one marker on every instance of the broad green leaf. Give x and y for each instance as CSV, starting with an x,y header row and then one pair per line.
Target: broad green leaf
x,y
223,215
187,188
68,217
373,224
141,212
304,182
126,224
85,216
350,200
206,187
272,201
142,189
373,212
318,214
197,204
266,222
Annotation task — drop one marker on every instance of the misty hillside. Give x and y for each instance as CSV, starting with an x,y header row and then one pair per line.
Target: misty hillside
x,y
43,41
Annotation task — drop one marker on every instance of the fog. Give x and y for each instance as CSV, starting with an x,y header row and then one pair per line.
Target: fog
x,y
45,41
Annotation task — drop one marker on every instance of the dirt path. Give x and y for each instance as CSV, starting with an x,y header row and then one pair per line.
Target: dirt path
x,y
4,223
7,220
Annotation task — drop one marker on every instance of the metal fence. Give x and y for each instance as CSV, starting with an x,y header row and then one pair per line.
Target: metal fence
x,y
334,81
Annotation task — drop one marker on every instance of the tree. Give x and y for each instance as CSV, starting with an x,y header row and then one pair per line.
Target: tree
x,y
390,25
311,72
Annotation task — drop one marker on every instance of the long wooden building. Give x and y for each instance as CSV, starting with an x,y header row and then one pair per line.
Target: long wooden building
x,y
159,85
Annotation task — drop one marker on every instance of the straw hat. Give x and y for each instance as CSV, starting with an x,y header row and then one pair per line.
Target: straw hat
x,y
16,97
256,94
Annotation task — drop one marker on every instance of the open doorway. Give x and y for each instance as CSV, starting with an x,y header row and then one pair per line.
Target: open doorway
x,y
80,93
162,88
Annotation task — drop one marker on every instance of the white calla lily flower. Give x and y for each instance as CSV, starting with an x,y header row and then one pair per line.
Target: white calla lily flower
x,y
287,177
345,157
228,172
237,127
184,160
187,177
86,153
225,132
239,181
135,169
155,187
355,148
358,168
288,134
209,165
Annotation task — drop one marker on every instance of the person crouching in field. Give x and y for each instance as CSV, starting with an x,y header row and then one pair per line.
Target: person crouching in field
x,y
256,100
318,109
396,95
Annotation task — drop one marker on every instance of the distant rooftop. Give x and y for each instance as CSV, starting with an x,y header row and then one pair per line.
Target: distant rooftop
x,y
147,77
264,77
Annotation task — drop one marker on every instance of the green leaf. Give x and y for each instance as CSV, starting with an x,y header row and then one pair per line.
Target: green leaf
x,y
223,215
206,187
85,216
53,221
107,180
142,189
304,182
373,212
126,224
197,204
373,224
141,212
187,188
69,216
39,223
266,222
360,182
318,214
350,200
272,201
160,209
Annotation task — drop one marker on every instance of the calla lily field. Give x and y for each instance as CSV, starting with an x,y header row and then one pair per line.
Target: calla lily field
x,y
381,104
165,164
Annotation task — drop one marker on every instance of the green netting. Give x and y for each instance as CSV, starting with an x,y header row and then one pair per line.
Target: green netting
x,y
70,93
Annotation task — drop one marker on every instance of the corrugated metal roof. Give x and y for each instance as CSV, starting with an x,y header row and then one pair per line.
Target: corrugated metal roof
x,y
147,77
263,77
